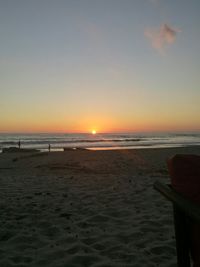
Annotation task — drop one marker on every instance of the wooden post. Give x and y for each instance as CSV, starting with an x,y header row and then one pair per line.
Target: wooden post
x,y
184,212
182,238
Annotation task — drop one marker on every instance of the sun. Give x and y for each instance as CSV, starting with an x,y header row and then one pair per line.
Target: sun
x,y
94,132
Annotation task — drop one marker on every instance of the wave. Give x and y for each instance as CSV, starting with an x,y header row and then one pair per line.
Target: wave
x,y
8,143
38,142
41,141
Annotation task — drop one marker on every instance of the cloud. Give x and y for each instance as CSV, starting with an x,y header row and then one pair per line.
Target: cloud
x,y
162,37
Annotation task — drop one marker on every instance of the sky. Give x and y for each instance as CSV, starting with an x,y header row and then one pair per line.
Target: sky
x,y
104,65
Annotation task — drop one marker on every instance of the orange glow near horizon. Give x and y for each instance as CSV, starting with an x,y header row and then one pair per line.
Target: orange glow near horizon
x,y
102,129
98,123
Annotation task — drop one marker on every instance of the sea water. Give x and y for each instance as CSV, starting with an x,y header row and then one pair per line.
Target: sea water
x,y
98,141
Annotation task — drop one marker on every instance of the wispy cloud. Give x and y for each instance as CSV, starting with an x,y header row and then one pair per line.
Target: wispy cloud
x,y
162,37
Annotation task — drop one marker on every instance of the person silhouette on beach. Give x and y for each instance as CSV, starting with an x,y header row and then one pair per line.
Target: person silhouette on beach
x,y
19,144
49,147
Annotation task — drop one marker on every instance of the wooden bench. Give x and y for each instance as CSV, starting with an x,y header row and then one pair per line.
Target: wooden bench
x,y
186,213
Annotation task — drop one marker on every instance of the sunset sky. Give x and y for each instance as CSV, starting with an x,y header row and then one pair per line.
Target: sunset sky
x,y
107,65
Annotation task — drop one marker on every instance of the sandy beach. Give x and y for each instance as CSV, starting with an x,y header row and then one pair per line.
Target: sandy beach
x,y
86,208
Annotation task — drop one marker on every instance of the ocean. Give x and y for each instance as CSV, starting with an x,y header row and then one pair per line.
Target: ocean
x,y
98,141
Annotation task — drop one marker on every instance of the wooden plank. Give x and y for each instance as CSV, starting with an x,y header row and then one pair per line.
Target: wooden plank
x,y
185,205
